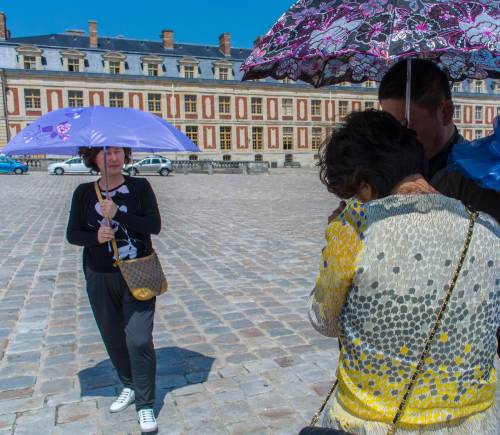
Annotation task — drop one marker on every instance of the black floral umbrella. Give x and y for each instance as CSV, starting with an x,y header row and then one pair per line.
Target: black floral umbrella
x,y
324,42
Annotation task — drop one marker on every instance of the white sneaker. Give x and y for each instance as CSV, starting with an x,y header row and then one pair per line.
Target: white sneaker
x,y
126,398
147,420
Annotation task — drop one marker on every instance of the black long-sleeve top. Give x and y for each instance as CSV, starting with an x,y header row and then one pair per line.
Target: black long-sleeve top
x,y
136,219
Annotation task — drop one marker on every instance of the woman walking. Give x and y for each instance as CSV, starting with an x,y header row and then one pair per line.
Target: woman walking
x,y
129,215
392,257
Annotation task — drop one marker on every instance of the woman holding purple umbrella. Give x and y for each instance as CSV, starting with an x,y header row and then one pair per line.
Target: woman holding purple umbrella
x,y
129,215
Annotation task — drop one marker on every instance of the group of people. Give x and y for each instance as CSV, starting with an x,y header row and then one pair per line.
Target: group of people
x,y
409,278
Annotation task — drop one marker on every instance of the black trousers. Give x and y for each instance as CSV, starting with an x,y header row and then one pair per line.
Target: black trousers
x,y
126,327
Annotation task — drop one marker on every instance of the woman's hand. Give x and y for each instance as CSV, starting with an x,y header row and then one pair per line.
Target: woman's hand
x,y
105,234
109,208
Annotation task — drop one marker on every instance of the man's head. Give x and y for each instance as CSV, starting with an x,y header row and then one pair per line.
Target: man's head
x,y
431,113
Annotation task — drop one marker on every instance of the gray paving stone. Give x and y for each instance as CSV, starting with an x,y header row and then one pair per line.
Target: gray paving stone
x,y
232,333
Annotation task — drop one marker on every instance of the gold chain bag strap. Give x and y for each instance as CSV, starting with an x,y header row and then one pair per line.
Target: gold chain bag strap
x,y
425,352
144,276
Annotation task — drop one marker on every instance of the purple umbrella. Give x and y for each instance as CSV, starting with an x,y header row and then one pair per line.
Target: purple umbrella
x,y
64,131
324,42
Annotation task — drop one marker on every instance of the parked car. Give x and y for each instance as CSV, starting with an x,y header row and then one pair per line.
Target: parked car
x,y
74,165
11,166
150,165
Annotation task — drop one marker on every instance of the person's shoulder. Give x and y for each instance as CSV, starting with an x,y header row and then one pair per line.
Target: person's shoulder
x,y
136,181
83,188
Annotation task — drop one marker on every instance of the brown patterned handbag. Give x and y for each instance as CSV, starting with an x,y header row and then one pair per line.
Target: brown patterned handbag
x,y
144,276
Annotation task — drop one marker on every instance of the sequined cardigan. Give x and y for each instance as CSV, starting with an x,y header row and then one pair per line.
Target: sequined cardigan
x,y
383,274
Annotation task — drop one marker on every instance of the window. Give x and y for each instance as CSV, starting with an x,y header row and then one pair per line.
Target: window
x,y
498,110
116,99
192,133
225,105
73,65
257,133
75,98
153,69
478,86
342,109
369,84
369,105
190,103
193,157
29,62
287,138
316,107
259,158
287,106
226,157
457,87
223,73
114,67
479,113
478,134
154,103
32,99
225,138
256,104
188,71
316,138
457,112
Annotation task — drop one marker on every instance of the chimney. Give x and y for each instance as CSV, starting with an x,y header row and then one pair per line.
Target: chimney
x,y
93,33
4,33
225,44
167,37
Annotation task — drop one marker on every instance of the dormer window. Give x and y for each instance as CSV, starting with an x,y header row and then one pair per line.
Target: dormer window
x,y
153,70
223,73
223,70
114,63
189,72
73,60
29,62
74,65
152,65
188,67
114,67
29,57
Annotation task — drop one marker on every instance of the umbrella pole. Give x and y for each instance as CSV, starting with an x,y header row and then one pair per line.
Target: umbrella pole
x,y
408,92
106,184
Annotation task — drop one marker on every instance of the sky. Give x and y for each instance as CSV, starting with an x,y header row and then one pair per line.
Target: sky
x,y
193,21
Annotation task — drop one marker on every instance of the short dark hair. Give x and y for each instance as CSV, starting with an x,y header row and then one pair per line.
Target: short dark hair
x,y
429,83
372,147
88,155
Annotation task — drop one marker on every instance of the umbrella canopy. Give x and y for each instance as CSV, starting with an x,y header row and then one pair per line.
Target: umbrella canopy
x,y
328,42
480,159
63,131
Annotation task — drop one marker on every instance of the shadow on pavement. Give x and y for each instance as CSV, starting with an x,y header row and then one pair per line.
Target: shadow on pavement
x,y
176,368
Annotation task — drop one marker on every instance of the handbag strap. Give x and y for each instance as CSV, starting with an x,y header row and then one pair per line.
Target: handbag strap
x,y
439,316
425,352
113,241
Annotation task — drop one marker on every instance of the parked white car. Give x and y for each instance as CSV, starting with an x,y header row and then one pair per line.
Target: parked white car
x,y
74,165
150,165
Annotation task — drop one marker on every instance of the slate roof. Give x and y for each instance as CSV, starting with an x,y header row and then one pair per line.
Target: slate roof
x,y
130,46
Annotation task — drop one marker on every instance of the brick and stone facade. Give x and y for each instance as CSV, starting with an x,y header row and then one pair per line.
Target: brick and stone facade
x,y
197,88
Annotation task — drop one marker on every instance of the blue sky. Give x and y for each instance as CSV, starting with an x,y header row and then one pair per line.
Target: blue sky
x,y
193,21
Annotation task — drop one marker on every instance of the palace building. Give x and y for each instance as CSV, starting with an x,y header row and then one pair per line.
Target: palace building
x,y
197,88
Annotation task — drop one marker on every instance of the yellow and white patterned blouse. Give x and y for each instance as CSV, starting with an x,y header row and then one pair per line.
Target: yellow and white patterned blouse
x,y
383,274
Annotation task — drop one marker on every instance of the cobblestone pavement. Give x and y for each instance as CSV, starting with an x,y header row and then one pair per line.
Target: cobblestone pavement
x,y
236,353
